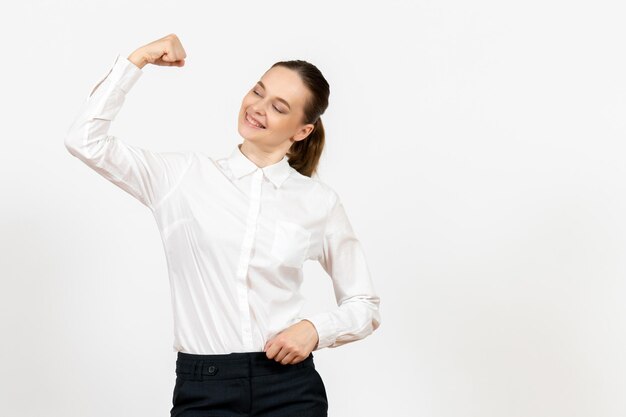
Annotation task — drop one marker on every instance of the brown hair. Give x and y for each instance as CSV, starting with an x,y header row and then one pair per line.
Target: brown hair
x,y
304,155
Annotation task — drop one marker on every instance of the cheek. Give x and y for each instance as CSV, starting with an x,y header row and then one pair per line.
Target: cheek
x,y
245,104
285,123
276,123
246,101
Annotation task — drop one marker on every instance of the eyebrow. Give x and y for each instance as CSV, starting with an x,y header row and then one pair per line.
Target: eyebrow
x,y
277,98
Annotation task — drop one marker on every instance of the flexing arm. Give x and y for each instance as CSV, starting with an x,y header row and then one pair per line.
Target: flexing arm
x,y
147,175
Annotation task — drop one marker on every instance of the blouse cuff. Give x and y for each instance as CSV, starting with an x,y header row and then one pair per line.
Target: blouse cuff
x,y
326,329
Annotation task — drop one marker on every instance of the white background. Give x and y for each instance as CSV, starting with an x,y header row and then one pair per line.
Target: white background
x,y
479,151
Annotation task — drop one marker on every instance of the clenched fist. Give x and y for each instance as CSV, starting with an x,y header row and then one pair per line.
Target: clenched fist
x,y
167,51
293,344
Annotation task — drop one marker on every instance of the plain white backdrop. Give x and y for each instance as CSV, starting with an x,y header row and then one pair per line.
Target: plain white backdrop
x,y
479,151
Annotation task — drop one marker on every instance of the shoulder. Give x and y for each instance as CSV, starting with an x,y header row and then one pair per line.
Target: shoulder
x,y
321,190
205,159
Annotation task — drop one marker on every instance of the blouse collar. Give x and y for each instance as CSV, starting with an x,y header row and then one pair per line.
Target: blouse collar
x,y
240,165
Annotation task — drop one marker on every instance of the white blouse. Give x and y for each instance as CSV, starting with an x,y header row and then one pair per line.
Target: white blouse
x,y
235,235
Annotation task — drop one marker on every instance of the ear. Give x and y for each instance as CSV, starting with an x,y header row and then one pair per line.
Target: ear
x,y
304,132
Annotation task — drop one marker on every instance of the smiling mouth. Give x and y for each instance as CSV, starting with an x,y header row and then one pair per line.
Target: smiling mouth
x,y
253,123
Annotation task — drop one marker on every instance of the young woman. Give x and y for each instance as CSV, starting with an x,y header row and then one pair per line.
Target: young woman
x,y
236,231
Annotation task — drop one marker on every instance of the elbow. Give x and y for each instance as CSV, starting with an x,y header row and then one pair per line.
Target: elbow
x,y
374,304
72,141
376,320
82,135
81,144
370,310
373,312
375,326
70,146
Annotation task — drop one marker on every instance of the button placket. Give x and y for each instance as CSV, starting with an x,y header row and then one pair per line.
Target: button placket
x,y
244,259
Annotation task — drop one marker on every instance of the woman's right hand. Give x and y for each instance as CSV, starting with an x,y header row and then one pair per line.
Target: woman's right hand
x,y
167,51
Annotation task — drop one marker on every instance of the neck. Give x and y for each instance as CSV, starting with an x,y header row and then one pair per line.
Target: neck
x,y
260,157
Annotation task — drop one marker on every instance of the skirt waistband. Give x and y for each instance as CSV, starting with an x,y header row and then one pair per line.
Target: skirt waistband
x,y
193,366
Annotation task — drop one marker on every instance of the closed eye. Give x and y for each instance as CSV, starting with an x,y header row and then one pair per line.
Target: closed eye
x,y
276,108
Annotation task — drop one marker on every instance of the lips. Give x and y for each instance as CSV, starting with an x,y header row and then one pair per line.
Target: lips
x,y
254,121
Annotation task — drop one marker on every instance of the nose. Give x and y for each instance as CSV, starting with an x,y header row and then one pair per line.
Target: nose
x,y
256,109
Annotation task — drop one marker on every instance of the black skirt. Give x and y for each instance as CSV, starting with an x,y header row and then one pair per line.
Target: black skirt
x,y
246,384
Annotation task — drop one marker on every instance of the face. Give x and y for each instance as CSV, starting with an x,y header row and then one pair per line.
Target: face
x,y
277,102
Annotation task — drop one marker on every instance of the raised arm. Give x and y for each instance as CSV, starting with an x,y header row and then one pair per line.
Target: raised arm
x,y
343,258
147,175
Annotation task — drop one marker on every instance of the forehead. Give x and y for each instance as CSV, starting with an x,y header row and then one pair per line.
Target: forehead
x,y
285,83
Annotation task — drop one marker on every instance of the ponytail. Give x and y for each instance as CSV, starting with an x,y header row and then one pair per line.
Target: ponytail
x,y
304,155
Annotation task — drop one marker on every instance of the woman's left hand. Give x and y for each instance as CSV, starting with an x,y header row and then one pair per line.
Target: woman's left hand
x,y
294,344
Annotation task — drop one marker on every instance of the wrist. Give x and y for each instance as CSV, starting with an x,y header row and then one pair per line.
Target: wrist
x,y
317,337
138,58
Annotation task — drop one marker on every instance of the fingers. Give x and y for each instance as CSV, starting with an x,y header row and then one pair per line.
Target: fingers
x,y
176,53
285,357
169,63
167,52
290,359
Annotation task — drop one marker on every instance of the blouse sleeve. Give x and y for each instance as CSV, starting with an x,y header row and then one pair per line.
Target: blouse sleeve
x,y
357,314
146,175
